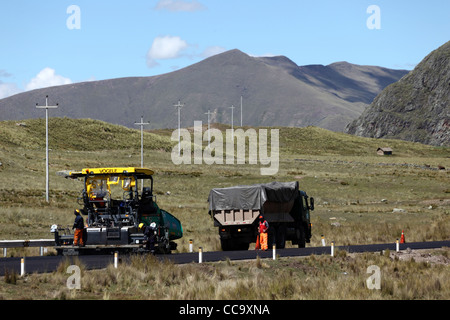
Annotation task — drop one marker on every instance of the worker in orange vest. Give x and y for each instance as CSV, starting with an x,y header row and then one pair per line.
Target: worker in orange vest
x,y
79,228
263,235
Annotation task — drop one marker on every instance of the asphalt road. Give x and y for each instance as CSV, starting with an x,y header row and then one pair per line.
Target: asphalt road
x,y
51,263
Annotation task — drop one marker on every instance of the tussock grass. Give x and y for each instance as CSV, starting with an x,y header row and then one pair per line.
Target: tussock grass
x,y
356,192
316,277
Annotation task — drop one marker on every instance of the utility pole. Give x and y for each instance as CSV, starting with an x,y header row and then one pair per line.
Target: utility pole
x,y
142,124
241,111
46,107
232,130
209,113
179,106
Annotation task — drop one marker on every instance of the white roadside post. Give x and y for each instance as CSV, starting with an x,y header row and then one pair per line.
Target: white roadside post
x,y
116,259
200,255
274,252
22,267
46,107
323,241
332,248
397,246
191,247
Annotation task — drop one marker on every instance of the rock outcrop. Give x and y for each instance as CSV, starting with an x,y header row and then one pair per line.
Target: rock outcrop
x,y
415,108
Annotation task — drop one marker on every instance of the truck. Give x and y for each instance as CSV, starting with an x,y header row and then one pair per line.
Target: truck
x,y
117,204
235,211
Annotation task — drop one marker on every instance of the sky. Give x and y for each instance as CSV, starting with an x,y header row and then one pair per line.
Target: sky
x,y
54,42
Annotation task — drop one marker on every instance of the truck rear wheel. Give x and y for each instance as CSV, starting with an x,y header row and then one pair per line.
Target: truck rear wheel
x,y
300,233
226,244
231,245
280,237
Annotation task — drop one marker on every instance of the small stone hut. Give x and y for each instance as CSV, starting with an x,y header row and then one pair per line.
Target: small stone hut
x,y
384,151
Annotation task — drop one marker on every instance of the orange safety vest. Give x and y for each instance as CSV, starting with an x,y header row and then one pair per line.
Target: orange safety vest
x,y
263,226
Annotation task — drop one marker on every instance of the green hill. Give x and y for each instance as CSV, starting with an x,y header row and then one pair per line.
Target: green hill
x,y
81,135
94,135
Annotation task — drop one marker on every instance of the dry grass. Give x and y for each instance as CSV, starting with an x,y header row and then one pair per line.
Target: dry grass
x,y
316,277
355,190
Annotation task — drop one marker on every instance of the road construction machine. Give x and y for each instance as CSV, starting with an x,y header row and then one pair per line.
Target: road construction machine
x,y
117,205
235,211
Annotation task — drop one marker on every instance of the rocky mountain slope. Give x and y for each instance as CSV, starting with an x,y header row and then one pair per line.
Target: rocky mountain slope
x,y
275,92
416,108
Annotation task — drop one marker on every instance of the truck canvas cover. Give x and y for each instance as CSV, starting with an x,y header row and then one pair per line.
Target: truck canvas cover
x,y
251,197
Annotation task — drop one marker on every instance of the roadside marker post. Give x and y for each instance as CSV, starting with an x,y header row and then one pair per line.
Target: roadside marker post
x,y
323,241
332,248
116,259
274,252
22,267
200,255
397,246
191,247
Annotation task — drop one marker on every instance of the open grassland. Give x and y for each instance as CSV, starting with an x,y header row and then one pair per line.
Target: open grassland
x,y
361,198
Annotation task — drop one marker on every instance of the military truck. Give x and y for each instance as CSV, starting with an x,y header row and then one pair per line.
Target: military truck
x,y
114,202
235,211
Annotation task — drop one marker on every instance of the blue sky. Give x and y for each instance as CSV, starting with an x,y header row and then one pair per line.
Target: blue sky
x,y
53,42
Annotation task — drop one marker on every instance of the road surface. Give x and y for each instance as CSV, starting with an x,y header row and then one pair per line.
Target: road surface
x,y
50,263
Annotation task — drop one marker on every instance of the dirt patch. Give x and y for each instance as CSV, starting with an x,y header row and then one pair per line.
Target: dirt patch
x,y
435,256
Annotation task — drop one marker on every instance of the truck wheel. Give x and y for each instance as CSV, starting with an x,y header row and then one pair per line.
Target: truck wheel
x,y
281,237
230,245
227,245
244,246
300,233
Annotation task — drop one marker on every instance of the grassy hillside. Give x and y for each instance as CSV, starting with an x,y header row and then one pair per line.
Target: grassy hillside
x,y
337,169
356,192
81,135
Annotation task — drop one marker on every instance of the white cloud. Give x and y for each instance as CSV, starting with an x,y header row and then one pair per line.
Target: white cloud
x,y
212,51
47,78
266,55
166,47
8,89
179,5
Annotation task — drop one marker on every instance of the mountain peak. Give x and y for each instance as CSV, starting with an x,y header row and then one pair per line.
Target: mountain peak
x,y
416,108
275,92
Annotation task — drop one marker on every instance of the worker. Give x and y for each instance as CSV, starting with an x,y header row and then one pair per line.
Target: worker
x,y
263,235
79,228
149,235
